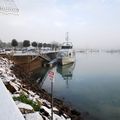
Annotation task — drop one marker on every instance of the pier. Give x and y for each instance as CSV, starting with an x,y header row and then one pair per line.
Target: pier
x,y
32,60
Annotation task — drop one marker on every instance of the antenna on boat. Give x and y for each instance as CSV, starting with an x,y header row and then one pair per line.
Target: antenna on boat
x,y
67,37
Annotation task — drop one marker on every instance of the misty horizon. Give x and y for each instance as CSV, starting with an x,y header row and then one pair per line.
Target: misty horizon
x,y
91,24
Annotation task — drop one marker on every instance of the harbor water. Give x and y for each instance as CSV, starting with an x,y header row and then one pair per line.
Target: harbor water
x,y
90,85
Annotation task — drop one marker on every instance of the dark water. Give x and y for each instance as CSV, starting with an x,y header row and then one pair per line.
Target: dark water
x,y
92,84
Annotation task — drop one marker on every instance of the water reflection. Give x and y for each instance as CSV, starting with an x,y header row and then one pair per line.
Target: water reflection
x,y
94,85
38,76
66,72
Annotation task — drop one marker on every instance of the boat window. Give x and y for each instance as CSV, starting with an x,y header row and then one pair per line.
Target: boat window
x,y
66,47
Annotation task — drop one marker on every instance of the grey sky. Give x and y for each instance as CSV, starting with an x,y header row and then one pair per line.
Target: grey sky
x,y
90,23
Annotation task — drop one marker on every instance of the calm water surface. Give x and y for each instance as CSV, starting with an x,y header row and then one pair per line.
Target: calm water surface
x,y
92,84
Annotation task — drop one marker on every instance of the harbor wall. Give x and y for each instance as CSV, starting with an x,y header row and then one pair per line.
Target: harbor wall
x,y
28,63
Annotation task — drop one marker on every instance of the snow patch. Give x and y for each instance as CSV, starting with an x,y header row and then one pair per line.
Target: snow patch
x,y
23,105
33,116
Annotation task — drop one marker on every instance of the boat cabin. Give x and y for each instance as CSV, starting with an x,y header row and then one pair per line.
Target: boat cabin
x,y
67,45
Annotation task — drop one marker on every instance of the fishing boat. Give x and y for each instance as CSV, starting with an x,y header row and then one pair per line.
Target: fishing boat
x,y
66,55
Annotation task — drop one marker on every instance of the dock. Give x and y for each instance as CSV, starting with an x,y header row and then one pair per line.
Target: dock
x,y
32,60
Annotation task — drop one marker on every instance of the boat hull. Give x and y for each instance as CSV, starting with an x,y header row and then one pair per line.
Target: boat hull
x,y
66,60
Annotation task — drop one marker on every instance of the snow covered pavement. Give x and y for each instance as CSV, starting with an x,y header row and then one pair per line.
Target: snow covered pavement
x,y
8,108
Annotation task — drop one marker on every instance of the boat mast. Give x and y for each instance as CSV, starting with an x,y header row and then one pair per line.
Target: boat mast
x,y
67,37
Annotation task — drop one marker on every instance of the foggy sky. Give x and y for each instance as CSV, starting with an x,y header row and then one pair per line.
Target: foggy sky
x,y
90,23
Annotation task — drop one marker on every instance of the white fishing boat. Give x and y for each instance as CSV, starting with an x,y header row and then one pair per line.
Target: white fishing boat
x,y
66,55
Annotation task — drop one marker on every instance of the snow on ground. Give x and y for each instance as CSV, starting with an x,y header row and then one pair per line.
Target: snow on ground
x,y
33,116
5,72
16,87
23,105
20,53
55,116
8,108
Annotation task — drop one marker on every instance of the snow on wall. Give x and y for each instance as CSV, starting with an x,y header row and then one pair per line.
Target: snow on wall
x,y
8,108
